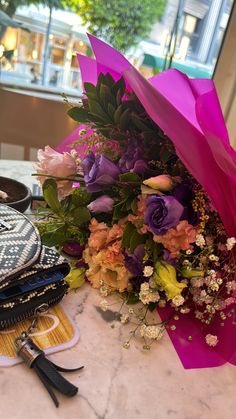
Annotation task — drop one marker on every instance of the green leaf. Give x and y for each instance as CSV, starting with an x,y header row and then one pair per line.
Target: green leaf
x,y
155,251
131,298
78,114
111,110
119,86
136,239
104,131
129,177
124,120
118,98
139,123
90,91
149,135
55,237
97,120
134,205
106,96
118,136
96,109
117,114
129,229
66,203
89,88
43,210
165,154
152,306
81,215
80,197
118,212
101,79
109,80
51,196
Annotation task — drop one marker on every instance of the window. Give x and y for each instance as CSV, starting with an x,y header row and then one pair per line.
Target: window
x,y
188,38
190,24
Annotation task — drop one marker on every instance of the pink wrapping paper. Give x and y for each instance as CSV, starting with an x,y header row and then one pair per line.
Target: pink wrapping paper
x,y
81,149
188,111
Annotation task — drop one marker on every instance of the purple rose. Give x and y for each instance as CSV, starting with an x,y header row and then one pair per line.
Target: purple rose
x,y
99,172
132,159
134,261
162,213
102,204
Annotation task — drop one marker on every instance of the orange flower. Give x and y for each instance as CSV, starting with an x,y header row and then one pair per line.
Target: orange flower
x,y
104,256
178,238
101,235
98,237
141,207
107,267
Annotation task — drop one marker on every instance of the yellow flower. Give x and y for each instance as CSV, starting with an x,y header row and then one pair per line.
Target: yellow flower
x,y
165,277
192,273
162,183
75,278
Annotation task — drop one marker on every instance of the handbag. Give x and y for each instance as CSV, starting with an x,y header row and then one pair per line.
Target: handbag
x,y
31,275
31,281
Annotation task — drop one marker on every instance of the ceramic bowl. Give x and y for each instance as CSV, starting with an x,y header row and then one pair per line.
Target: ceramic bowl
x,y
19,195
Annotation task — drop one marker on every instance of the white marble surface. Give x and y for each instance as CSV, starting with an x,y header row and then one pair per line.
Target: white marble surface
x,y
116,383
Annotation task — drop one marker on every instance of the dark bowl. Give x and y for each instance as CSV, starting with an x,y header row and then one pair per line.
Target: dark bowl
x,y
19,194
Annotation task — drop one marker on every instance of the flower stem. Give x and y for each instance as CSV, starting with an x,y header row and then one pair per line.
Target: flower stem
x,y
75,179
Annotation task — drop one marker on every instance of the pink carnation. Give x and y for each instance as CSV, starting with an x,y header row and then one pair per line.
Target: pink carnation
x,y
178,238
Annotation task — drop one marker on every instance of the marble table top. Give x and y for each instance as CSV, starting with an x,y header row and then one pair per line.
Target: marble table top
x,y
116,383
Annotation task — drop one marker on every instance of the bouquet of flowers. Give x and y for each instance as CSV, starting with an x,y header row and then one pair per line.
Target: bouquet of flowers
x,y
141,196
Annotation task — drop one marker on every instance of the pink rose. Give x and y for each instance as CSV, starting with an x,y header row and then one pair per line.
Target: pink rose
x,y
53,163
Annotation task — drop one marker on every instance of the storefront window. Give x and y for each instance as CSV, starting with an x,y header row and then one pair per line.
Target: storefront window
x,y
57,56
190,24
188,37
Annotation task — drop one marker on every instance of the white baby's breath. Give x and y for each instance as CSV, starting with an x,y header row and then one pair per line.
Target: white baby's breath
x,y
230,243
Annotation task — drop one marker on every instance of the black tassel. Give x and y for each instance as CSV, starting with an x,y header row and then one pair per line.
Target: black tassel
x,y
47,371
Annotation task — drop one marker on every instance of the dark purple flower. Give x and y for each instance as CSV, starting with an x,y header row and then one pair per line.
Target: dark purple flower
x,y
162,213
80,264
132,160
73,248
134,261
167,258
102,204
184,193
99,172
136,282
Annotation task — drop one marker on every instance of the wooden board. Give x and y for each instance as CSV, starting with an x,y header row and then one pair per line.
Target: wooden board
x,y
55,332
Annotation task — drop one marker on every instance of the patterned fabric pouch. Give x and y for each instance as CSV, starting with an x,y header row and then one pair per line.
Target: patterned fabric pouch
x,y
31,275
